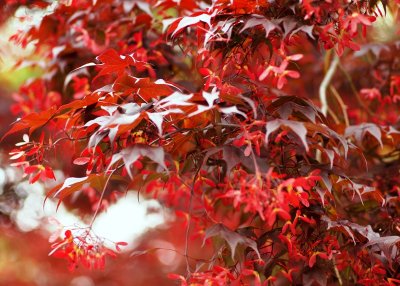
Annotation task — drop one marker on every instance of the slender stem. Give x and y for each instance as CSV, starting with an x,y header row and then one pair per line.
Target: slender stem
x,y
190,220
342,105
101,199
186,251
335,118
354,90
256,168
337,272
187,232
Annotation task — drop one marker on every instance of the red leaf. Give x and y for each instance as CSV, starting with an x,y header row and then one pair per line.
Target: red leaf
x,y
32,121
68,234
31,169
177,277
49,173
114,63
81,160
119,244
146,88
312,260
34,179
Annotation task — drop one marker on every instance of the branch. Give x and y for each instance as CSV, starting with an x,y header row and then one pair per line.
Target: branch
x,y
339,278
325,83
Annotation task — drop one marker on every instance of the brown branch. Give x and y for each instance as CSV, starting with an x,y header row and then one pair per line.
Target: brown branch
x,y
325,83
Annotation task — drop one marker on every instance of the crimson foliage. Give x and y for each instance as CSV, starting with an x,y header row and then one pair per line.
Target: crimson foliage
x,y
272,126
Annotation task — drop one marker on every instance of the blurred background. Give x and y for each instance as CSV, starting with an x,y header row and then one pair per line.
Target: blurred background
x,y
155,237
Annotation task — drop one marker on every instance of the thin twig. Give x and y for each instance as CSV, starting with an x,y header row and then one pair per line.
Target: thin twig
x,y
342,105
190,220
339,278
187,232
333,115
101,199
355,91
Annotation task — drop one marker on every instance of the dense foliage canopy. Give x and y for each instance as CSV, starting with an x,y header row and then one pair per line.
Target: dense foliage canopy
x,y
271,127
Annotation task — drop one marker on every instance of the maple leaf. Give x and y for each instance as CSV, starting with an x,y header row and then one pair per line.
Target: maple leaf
x,y
349,227
386,244
210,98
308,29
297,127
37,172
174,99
158,117
359,131
73,184
118,120
142,5
112,62
257,20
144,87
132,154
32,121
286,106
234,156
231,237
187,21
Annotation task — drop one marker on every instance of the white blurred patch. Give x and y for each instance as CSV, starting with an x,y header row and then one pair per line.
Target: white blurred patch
x,y
128,219
125,220
82,281
166,253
